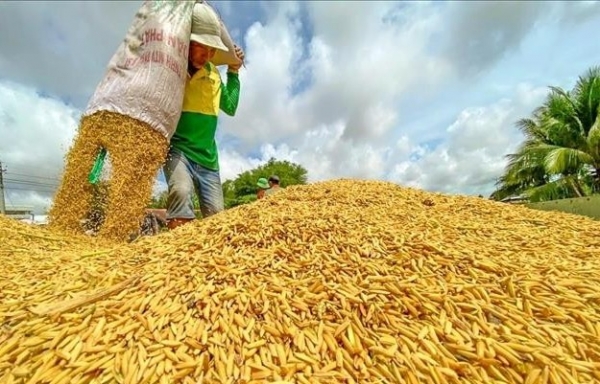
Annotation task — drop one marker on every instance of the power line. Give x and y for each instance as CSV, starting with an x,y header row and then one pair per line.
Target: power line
x,y
28,182
36,189
20,182
32,176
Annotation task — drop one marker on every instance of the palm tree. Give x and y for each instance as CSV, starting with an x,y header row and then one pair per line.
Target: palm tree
x,y
560,156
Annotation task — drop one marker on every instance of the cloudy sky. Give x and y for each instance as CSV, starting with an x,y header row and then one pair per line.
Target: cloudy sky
x,y
420,93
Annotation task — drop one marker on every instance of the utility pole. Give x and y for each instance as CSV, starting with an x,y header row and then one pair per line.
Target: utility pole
x,y
2,203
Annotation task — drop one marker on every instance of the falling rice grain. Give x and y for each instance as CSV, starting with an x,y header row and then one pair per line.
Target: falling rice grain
x,y
136,151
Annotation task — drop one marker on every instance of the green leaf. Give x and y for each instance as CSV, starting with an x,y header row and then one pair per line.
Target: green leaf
x,y
593,139
562,188
564,160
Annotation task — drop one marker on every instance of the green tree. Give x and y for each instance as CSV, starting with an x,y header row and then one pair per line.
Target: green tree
x,y
242,189
560,156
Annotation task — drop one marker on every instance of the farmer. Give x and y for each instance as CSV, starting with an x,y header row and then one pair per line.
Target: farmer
x,y
263,186
273,185
192,164
130,116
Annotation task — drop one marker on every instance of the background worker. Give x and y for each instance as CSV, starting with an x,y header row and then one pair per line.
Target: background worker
x,y
192,164
273,185
263,186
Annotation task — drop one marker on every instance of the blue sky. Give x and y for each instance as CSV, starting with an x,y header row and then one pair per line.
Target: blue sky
x,y
423,94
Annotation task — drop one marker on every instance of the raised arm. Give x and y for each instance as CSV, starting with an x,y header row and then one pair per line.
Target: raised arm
x,y
230,92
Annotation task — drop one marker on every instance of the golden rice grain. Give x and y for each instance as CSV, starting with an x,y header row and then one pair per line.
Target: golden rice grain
x,y
338,282
136,152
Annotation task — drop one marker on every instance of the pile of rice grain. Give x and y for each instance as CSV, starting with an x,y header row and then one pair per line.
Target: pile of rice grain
x,y
336,282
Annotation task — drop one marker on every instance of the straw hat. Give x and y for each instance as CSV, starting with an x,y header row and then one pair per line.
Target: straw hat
x,y
206,27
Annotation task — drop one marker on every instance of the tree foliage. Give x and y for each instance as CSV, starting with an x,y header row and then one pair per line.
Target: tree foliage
x,y
560,154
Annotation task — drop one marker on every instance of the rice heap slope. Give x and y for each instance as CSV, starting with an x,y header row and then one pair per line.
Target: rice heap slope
x,y
336,282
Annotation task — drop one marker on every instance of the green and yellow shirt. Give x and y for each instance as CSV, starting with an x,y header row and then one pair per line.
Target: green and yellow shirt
x,y
204,95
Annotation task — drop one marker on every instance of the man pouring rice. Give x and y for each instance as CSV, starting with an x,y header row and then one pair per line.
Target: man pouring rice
x,y
192,164
134,111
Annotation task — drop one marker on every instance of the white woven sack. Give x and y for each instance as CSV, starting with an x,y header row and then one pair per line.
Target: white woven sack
x,y
145,78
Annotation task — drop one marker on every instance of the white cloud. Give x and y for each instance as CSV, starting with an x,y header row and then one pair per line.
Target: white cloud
x,y
232,163
36,131
468,160
62,47
340,126
472,157
354,72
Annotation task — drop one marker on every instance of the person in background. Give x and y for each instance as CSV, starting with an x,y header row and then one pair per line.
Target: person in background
x,y
263,186
192,165
273,185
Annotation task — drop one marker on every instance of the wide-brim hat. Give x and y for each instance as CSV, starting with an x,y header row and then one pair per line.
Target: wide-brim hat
x,y
206,27
263,183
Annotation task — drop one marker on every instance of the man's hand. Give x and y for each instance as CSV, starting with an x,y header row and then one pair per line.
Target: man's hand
x,y
240,54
